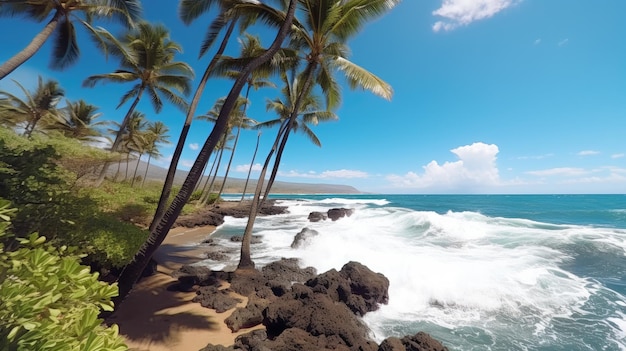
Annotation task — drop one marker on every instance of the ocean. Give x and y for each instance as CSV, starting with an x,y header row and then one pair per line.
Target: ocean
x,y
478,272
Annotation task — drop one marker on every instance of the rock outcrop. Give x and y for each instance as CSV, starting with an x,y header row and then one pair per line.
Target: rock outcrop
x,y
334,214
302,237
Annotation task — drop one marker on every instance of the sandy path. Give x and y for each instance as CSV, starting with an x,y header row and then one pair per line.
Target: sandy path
x,y
154,318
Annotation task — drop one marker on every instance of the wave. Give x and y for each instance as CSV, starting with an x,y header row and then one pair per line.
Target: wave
x,y
467,278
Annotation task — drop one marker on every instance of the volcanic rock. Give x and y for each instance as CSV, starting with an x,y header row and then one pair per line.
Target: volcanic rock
x,y
304,235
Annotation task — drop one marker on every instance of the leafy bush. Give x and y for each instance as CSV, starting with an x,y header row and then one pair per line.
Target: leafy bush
x,y
112,244
37,186
49,301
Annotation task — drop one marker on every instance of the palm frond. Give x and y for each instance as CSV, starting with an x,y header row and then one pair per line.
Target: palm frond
x,y
310,134
212,32
330,87
65,50
356,13
173,98
359,77
118,76
189,10
129,95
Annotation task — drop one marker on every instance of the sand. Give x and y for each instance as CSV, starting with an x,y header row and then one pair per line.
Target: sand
x,y
153,318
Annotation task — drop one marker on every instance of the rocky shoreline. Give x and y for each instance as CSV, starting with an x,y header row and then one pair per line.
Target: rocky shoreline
x,y
298,308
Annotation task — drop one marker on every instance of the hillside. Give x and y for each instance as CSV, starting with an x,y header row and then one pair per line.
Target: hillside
x,y
235,185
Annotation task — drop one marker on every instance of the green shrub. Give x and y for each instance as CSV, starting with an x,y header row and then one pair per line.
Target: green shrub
x,y
49,301
110,243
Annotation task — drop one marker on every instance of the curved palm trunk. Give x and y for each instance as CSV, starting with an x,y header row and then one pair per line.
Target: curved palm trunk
x,y
133,270
127,162
245,187
30,127
32,48
207,193
118,136
171,172
245,258
245,261
200,181
279,156
145,175
230,162
208,177
135,173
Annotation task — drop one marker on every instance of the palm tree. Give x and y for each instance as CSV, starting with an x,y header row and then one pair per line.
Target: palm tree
x,y
206,191
78,121
147,58
135,140
133,270
156,134
40,105
236,119
309,111
61,16
321,39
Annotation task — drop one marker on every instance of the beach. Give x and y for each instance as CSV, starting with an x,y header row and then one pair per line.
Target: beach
x,y
156,318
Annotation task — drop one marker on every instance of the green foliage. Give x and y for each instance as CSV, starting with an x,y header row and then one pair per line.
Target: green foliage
x,y
112,244
34,178
31,179
49,301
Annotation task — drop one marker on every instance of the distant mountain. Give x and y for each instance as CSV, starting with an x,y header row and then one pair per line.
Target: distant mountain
x,y
235,185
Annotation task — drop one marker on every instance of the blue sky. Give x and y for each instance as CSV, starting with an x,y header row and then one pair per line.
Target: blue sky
x,y
490,96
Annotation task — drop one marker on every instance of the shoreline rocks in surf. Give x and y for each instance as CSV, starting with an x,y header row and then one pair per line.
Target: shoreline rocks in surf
x,y
215,215
300,310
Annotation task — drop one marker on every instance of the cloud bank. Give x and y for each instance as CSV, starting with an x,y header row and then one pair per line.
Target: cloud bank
x,y
457,13
474,171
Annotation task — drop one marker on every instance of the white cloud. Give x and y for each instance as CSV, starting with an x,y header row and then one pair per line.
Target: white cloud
x,y
563,42
338,174
458,13
537,41
560,171
588,153
618,155
244,168
475,171
194,146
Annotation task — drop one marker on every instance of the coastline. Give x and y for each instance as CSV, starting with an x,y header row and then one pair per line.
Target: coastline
x,y
155,318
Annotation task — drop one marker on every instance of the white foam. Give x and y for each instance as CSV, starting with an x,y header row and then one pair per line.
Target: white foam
x,y
452,270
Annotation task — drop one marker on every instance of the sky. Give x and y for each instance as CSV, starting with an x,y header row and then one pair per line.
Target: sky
x,y
490,97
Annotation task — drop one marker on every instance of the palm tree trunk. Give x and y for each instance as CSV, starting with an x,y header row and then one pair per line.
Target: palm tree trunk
x,y
127,161
119,168
207,194
292,119
208,177
245,261
145,175
30,127
230,162
245,187
133,270
136,168
279,156
171,172
200,182
32,48
118,137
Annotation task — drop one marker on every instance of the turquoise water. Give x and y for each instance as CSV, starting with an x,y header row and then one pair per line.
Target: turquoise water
x,y
479,272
